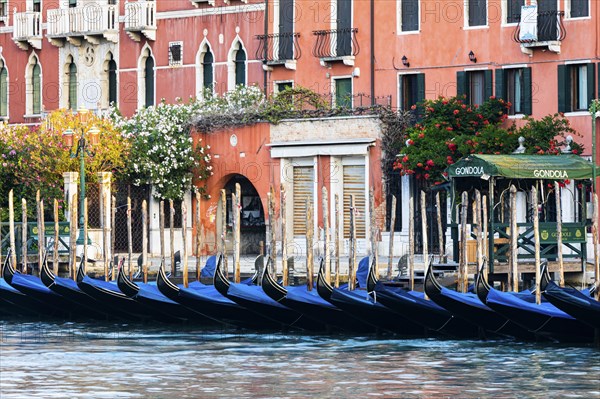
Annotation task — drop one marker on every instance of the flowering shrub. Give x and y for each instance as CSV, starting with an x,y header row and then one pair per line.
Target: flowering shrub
x,y
162,152
35,158
451,129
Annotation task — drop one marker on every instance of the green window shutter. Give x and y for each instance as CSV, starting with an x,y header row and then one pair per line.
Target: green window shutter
x,y
526,107
3,92
149,82
591,82
420,87
112,82
72,86
563,89
461,84
500,83
37,93
240,67
489,88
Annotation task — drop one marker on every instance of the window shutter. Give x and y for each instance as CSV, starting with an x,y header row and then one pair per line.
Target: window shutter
x,y
591,82
420,87
240,67
563,88
3,92
354,184
489,88
72,86
500,83
149,82
303,190
526,107
461,84
37,90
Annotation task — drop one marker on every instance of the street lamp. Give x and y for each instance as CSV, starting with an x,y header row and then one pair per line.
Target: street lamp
x,y
594,110
81,151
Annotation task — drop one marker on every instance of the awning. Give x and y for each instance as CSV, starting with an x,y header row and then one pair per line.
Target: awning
x,y
550,167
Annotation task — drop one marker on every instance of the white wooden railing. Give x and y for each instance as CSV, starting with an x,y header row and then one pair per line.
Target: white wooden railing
x,y
140,15
27,25
91,18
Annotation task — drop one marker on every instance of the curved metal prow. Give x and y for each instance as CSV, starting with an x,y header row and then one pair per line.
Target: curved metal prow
x,y
372,277
220,281
482,287
126,286
324,289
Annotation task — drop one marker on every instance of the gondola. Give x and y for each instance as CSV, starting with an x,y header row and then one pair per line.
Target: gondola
x,y
109,294
361,306
543,319
253,298
15,302
412,305
206,300
468,306
148,295
69,290
48,302
571,301
310,304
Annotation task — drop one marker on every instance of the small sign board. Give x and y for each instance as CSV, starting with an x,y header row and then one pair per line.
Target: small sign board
x,y
63,229
570,234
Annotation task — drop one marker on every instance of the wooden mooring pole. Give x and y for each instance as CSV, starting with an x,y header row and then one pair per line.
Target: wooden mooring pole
x,y
113,231
424,229
284,253
309,246
172,236
391,247
56,238
184,251
326,253
145,240
73,238
513,277
224,231
536,240
161,228
85,231
11,229
485,237
337,240
352,254
479,236
237,219
438,211
129,239
198,237
559,241
411,242
596,241
463,266
40,226
24,235
373,233
273,243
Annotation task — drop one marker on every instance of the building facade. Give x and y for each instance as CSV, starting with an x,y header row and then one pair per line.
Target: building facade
x,y
543,58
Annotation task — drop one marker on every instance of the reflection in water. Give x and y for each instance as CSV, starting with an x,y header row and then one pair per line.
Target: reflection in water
x,y
89,360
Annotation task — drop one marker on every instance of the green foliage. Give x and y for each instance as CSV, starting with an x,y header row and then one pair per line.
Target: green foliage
x,y
451,129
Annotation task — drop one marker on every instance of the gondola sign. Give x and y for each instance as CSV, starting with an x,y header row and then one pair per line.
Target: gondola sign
x,y
572,234
63,229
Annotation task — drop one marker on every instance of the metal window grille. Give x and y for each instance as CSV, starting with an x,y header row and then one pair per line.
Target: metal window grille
x,y
175,53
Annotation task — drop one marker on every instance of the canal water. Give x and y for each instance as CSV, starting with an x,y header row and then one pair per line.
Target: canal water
x,y
92,360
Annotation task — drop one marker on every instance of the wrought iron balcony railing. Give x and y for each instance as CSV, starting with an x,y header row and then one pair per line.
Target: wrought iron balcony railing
x,y
27,29
546,31
140,19
336,44
279,48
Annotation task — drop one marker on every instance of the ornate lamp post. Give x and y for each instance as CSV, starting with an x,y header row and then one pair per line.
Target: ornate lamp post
x,y
82,149
594,110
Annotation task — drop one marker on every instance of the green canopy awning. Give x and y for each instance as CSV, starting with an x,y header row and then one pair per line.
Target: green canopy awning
x,y
550,167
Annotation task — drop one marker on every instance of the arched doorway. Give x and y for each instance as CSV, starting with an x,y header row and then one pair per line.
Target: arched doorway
x,y
252,229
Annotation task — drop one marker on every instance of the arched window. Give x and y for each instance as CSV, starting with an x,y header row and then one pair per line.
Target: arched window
x,y
3,92
207,70
240,65
36,84
149,82
72,86
112,82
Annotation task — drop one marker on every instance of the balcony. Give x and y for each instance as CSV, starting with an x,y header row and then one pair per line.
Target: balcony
x,y
278,49
336,45
540,29
140,20
92,22
27,31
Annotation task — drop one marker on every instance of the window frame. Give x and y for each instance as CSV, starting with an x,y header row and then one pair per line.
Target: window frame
x,y
419,96
4,97
399,14
334,90
467,16
172,46
276,84
568,11
505,23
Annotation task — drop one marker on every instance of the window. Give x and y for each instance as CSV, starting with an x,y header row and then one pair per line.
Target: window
x,y
344,28
149,82
175,53
282,86
579,8
576,84
514,85
513,11
112,82
3,92
476,86
207,70
37,5
3,8
240,66
411,90
72,76
343,92
477,11
409,15
36,84
72,3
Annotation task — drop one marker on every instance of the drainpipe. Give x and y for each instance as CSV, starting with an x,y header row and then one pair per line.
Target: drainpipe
x,y
372,52
265,73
